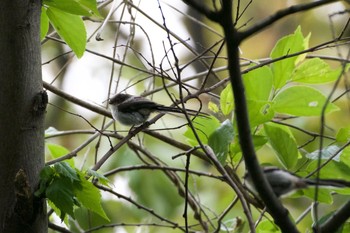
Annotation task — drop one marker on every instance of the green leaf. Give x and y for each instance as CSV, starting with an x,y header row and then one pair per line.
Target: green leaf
x,y
283,143
75,7
343,135
258,84
333,170
345,228
205,126
226,100
91,5
213,107
267,226
65,170
302,56
345,156
46,176
58,212
101,178
47,173
283,69
90,197
324,194
44,23
70,28
56,150
301,101
60,192
259,112
258,142
315,71
221,139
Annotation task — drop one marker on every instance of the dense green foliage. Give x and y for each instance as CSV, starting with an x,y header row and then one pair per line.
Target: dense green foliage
x,y
282,93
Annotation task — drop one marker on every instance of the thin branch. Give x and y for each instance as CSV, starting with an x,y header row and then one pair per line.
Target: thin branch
x,y
336,220
74,152
58,228
279,213
237,190
76,100
142,207
176,181
160,167
279,15
200,7
157,225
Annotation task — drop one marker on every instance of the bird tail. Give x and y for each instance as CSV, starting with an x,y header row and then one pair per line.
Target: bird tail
x,y
329,182
190,112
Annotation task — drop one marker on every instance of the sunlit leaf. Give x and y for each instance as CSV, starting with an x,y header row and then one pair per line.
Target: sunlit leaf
x,y
70,27
267,226
44,23
283,69
57,151
302,101
315,71
205,126
343,134
76,7
302,56
259,112
90,197
213,107
333,170
258,83
226,100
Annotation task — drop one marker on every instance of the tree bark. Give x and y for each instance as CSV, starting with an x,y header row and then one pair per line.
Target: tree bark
x,y
22,110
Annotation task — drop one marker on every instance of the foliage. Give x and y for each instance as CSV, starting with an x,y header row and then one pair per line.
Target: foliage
x,y
270,94
164,181
282,89
64,16
67,188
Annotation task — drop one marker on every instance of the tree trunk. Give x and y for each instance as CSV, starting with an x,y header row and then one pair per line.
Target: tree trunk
x,y
22,110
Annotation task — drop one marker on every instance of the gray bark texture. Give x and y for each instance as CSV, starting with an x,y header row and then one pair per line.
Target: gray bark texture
x,y
22,111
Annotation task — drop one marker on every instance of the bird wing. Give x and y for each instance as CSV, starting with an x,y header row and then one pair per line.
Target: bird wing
x,y
137,104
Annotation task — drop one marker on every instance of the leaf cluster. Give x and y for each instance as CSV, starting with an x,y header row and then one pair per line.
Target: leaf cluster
x,y
65,17
67,188
283,88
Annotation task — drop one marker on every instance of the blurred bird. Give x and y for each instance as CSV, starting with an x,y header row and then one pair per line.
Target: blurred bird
x,y
283,182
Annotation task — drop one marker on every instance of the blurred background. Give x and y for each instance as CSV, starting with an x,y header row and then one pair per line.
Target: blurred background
x,y
134,35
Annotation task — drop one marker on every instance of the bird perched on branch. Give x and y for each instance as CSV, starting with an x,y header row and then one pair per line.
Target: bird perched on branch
x,y
135,110
283,182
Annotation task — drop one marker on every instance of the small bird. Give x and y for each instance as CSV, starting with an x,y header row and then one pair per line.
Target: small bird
x,y
283,182
135,110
